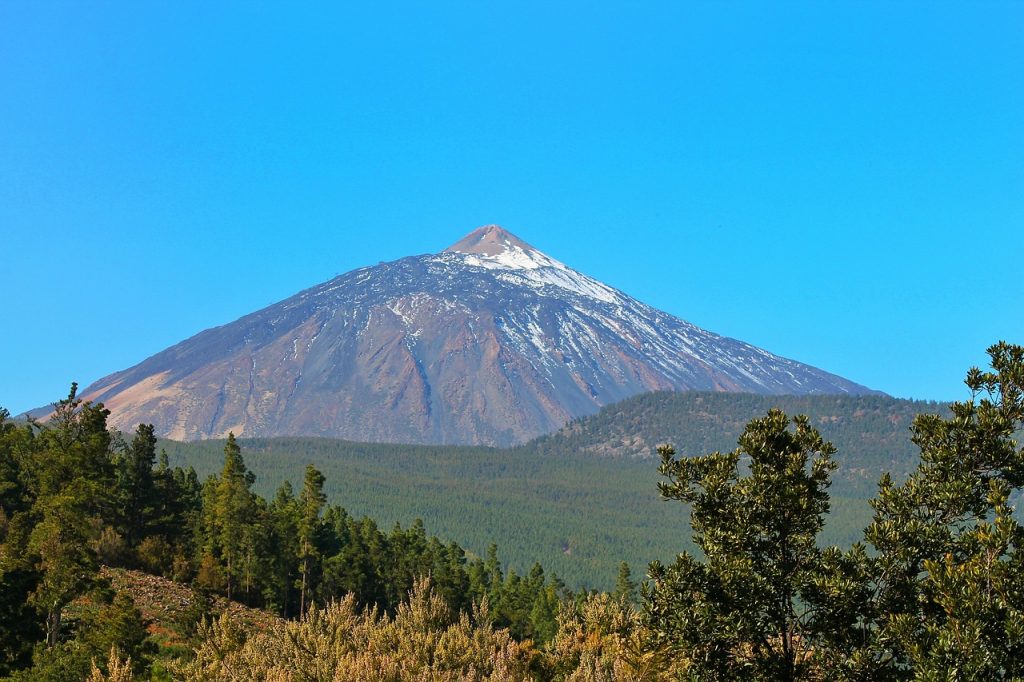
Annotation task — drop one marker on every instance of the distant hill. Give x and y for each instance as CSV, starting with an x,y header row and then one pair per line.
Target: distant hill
x,y
583,499
871,432
489,342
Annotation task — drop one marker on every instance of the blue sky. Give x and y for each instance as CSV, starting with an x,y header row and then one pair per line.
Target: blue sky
x,y
840,183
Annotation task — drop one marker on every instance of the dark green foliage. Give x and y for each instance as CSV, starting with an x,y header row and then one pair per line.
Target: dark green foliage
x,y
20,628
871,431
70,491
576,515
946,549
65,497
73,495
118,625
935,593
625,587
284,533
742,612
311,502
233,514
70,476
106,622
136,493
381,569
554,501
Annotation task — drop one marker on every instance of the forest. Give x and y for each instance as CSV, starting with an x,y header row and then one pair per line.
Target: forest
x,y
578,516
580,500
932,589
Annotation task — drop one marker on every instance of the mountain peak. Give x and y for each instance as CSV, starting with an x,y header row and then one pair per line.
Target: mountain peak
x,y
490,240
495,248
492,247
492,342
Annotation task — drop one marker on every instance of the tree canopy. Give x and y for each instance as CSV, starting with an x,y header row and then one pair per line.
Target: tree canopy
x,y
935,591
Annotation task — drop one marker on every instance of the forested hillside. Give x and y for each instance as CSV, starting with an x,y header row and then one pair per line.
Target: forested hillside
x,y
580,500
578,516
76,496
870,432
933,584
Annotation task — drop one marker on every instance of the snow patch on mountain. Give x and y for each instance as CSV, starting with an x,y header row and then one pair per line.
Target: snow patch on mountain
x,y
490,342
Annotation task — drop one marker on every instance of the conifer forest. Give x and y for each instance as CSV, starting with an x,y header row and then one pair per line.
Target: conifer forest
x,y
120,561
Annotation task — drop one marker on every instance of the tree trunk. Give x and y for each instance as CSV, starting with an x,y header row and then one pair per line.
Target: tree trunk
x,y
248,575
302,596
53,623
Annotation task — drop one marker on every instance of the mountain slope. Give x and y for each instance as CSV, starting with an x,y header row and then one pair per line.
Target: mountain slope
x,y
583,499
871,432
488,342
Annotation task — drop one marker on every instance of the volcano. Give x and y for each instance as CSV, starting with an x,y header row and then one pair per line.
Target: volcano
x,y
488,342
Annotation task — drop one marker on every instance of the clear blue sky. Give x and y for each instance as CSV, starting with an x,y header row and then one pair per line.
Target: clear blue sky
x,y
840,183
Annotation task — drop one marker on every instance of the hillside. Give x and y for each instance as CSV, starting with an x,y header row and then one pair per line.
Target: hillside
x,y
871,432
555,500
170,609
579,517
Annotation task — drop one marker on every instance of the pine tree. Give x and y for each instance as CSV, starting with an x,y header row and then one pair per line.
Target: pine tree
x,y
119,625
19,627
284,517
136,489
233,511
311,501
72,480
625,588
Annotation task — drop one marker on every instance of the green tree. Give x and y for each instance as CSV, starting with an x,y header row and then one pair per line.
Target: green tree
x,y
743,611
284,514
136,492
20,629
119,625
108,622
233,511
947,568
311,502
72,479
625,588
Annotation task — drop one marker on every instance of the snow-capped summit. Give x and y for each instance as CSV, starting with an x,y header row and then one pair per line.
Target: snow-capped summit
x,y
490,240
494,248
489,341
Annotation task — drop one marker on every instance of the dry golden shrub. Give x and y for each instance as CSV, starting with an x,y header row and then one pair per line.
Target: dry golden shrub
x,y
603,640
118,670
423,641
